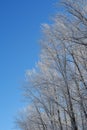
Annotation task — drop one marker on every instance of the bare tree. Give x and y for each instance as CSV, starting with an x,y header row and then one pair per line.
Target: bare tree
x,y
57,88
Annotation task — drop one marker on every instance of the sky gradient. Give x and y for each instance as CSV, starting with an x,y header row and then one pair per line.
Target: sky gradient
x,y
20,22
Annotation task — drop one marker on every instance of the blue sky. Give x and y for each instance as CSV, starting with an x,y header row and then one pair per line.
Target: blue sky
x,y
20,22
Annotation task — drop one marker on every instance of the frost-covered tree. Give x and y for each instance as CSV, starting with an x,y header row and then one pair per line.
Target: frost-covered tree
x,y
57,87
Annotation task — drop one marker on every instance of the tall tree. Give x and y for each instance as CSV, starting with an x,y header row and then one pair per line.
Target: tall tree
x,y
57,87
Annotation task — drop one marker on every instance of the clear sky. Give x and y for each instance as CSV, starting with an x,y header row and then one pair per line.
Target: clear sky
x,y
20,22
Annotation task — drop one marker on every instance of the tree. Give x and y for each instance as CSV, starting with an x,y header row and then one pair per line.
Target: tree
x,y
57,87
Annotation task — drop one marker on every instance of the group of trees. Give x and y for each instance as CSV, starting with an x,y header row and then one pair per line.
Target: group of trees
x,y
57,87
